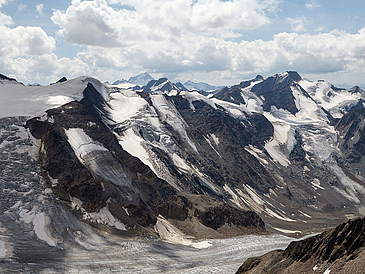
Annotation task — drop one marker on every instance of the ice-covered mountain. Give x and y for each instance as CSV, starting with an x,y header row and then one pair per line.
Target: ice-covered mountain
x,y
140,79
159,161
162,86
199,86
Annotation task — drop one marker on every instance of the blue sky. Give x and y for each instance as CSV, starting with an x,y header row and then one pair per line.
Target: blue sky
x,y
220,42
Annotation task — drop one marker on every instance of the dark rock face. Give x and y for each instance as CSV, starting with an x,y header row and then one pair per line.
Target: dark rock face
x,y
277,92
63,79
339,249
120,181
181,86
232,95
351,128
235,135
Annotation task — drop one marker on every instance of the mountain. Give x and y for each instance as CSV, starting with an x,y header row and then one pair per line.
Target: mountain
x,y
340,250
181,86
162,86
279,154
141,79
200,86
123,81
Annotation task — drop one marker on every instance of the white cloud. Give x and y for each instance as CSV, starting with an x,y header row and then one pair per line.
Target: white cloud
x,y
312,4
298,24
39,9
177,39
24,41
96,23
21,7
4,2
5,20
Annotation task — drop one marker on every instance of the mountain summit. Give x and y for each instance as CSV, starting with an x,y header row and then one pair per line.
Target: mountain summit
x,y
140,79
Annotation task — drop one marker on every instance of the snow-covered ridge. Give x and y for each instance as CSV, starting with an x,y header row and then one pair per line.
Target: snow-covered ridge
x,y
19,100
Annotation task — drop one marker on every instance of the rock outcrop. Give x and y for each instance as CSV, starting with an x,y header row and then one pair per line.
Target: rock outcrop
x,y
337,251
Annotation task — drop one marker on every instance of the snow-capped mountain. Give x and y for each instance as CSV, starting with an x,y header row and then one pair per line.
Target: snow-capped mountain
x,y
280,152
162,86
140,79
200,86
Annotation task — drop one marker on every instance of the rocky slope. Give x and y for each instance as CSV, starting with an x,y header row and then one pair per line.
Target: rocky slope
x,y
340,250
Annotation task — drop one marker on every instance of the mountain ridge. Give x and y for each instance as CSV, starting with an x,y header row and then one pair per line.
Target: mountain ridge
x,y
192,144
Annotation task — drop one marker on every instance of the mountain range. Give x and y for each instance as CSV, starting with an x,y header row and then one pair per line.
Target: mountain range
x,y
281,154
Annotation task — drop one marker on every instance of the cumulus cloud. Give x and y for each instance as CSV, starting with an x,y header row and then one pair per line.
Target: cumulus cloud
x,y
312,4
5,20
179,39
319,53
24,41
155,20
298,24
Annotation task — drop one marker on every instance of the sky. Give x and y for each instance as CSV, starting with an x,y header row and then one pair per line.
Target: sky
x,y
221,42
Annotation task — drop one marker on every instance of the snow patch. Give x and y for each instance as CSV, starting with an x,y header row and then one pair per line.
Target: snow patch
x,y
286,231
273,149
304,214
256,153
104,217
40,223
317,184
81,143
170,115
171,234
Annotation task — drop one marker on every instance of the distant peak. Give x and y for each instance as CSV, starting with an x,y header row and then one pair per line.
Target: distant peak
x,y
293,75
259,77
356,89
141,79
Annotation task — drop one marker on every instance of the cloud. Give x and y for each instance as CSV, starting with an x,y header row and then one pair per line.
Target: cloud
x,y
312,4
4,2
5,20
24,41
155,20
298,24
21,7
179,39
39,9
